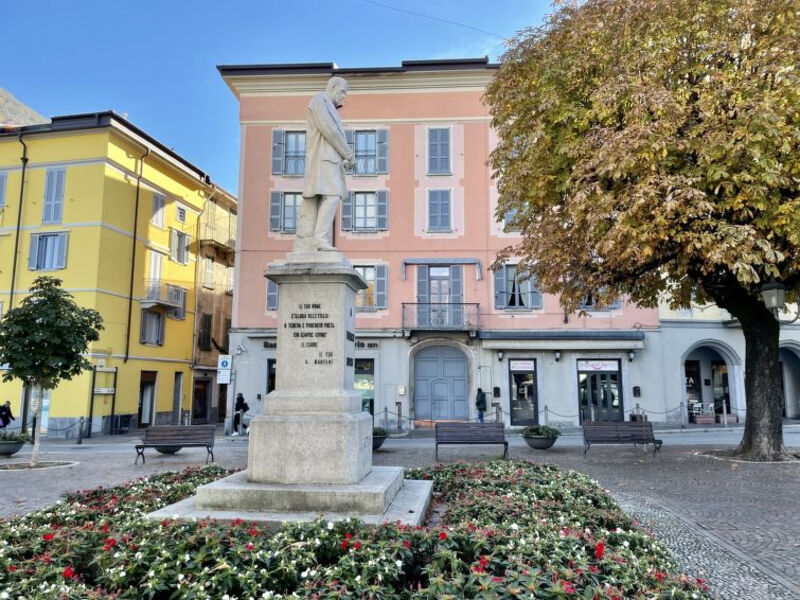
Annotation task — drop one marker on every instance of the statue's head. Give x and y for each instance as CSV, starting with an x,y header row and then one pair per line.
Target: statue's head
x,y
336,90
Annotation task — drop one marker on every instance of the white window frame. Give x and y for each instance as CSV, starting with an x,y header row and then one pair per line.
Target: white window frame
x,y
56,264
363,202
208,272
295,156
181,251
298,198
180,213
146,330
363,302
374,155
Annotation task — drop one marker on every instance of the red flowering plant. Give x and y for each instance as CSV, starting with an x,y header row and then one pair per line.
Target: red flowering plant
x,y
510,530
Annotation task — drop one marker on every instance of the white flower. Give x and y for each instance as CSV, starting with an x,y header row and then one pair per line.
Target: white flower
x,y
181,576
358,578
399,563
330,524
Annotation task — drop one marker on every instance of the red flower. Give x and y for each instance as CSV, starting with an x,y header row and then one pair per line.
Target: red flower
x,y
568,587
358,545
659,576
165,523
105,527
249,546
484,561
237,522
253,532
68,573
11,568
406,544
344,544
598,550
348,536
443,536
499,579
48,536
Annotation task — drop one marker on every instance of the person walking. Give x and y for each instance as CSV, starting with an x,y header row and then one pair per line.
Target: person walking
x,y
480,404
240,408
6,415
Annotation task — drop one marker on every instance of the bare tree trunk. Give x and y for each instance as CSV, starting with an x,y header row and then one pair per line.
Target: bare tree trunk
x,y
763,427
37,412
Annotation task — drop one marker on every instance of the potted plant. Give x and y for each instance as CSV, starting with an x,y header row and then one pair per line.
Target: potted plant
x,y
540,437
11,443
379,435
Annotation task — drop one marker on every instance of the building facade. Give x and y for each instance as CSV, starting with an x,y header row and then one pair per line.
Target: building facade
x,y
113,213
420,225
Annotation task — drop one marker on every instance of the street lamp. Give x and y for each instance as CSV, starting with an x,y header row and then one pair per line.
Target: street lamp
x,y
773,295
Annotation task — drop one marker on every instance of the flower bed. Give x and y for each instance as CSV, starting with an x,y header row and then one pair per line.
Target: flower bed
x,y
511,530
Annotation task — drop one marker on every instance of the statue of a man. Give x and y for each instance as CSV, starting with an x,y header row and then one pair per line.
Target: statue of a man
x,y
328,155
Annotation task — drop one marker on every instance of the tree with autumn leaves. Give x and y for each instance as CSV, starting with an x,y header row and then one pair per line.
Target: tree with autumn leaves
x,y
652,149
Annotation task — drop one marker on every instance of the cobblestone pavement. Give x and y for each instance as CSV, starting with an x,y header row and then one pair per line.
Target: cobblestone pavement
x,y
735,524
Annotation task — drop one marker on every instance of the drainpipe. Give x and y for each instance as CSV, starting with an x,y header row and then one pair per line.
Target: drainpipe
x,y
133,254
24,160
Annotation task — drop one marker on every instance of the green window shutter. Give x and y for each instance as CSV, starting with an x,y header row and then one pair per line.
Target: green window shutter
x,y
272,295
275,202
456,283
383,210
383,151
33,254
347,212
278,136
500,300
381,287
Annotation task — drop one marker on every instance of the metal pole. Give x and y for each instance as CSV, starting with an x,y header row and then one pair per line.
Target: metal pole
x,y
724,413
683,414
114,401
80,430
545,414
91,399
399,407
386,418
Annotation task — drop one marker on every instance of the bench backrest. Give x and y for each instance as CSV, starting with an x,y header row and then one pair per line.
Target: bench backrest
x,y
470,432
174,434
609,431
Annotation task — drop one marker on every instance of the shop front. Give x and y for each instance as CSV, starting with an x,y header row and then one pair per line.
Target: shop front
x,y
522,391
600,390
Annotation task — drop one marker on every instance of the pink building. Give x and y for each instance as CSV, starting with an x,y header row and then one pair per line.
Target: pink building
x,y
435,324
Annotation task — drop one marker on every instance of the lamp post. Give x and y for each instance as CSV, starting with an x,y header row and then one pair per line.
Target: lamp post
x,y
773,295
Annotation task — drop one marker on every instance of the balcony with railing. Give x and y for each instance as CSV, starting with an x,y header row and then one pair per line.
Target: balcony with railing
x,y
453,316
158,294
222,238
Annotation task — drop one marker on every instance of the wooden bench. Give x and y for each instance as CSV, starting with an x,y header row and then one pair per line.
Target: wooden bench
x,y
619,432
471,433
177,436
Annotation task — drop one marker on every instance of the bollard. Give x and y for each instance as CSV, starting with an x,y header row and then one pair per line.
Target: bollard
x,y
683,415
498,414
386,418
80,431
545,414
33,430
399,407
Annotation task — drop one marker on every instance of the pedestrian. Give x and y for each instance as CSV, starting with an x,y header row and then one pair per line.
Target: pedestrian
x,y
240,408
480,404
5,415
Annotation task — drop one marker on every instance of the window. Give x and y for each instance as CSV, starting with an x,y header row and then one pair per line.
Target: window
x,y
3,179
284,210
439,210
179,251
365,211
204,335
515,290
208,272
157,217
152,328
590,303
229,278
371,149
53,196
375,296
508,221
439,151
177,295
272,295
48,252
295,153
180,214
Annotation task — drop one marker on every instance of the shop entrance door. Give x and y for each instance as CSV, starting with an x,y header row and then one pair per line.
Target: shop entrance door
x,y
524,399
600,391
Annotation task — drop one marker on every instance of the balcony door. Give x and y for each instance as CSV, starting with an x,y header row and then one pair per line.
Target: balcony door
x,y
440,296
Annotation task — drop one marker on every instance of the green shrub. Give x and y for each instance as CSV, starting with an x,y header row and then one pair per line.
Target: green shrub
x,y
544,431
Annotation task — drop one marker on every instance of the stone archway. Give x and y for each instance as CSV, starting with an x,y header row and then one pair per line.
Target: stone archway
x,y
789,355
714,382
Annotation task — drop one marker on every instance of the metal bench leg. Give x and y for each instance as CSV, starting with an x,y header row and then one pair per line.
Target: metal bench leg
x,y
437,451
505,450
210,453
139,452
585,449
656,448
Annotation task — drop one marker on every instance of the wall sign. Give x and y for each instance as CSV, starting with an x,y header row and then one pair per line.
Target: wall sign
x,y
598,365
522,365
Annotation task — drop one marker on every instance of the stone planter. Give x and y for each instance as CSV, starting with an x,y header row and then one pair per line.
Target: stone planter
x,y
168,449
9,448
377,441
538,442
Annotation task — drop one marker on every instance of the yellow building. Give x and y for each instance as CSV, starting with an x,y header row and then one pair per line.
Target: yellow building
x,y
72,192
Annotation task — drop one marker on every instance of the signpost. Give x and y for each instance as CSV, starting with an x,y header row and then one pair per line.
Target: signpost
x,y
224,369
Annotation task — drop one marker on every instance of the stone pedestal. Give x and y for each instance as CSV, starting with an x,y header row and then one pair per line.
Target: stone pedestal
x,y
311,452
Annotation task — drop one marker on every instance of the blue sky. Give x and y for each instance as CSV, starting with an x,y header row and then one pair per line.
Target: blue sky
x,y
155,61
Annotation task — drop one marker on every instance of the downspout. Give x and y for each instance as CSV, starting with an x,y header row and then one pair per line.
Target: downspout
x,y
24,160
133,254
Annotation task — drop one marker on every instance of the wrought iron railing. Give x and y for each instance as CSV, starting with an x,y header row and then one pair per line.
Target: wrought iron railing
x,y
159,293
454,316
